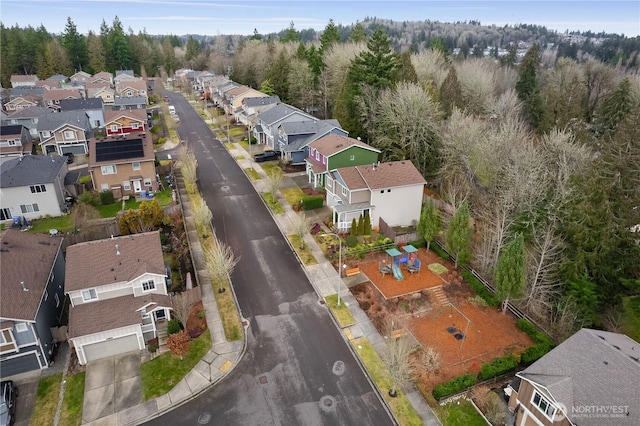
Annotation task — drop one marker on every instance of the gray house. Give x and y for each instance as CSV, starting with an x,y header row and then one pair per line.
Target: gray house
x,y
28,117
129,103
32,287
294,137
32,187
251,107
63,132
590,379
93,107
266,130
15,141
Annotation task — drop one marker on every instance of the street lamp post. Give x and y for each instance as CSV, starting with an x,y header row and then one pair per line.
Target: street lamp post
x,y
249,139
339,261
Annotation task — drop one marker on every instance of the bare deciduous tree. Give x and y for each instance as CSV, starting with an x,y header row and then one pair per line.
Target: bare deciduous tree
x,y
431,67
220,263
397,358
181,306
188,167
202,215
301,226
478,85
273,180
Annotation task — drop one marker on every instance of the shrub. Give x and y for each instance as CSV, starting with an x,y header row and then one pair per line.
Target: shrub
x,y
498,366
453,386
532,331
162,140
351,241
106,197
153,347
174,326
480,289
90,197
201,314
443,254
195,332
312,202
354,227
534,353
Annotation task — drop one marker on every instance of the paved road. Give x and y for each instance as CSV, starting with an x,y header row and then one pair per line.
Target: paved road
x,y
297,370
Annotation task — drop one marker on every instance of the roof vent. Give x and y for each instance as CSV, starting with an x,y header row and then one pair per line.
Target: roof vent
x,y
117,251
23,287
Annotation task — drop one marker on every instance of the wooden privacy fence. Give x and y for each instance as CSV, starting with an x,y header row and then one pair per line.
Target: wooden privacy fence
x,y
192,296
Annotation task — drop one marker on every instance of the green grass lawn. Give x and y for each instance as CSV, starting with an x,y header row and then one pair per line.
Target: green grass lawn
x,y
459,413
238,131
46,404
111,210
73,398
400,405
273,203
630,321
303,253
230,145
252,173
42,226
162,373
269,167
293,195
341,312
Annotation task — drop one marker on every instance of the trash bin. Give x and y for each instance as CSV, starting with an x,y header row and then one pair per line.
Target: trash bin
x,y
143,193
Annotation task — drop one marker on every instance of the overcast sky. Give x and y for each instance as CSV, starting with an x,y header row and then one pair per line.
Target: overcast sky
x,y
241,17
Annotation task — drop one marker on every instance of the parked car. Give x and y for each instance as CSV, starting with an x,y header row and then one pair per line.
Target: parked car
x,y
166,98
8,394
69,156
269,155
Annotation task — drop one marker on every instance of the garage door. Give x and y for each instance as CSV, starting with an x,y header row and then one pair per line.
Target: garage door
x,y
111,347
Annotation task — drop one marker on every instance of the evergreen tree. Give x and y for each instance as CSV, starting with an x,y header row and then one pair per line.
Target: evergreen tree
x,y
354,227
75,45
193,49
278,75
256,35
118,55
96,53
406,70
291,34
329,37
511,272
358,35
614,109
267,88
360,225
459,235
451,92
430,222
367,223
527,86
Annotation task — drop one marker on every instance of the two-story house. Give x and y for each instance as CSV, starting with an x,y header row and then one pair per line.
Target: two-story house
x,y
32,187
235,97
18,80
123,164
102,77
32,288
131,88
125,122
53,97
389,192
102,91
18,103
64,132
118,293
27,117
80,77
251,107
15,141
295,137
334,151
266,130
93,107
590,379
128,103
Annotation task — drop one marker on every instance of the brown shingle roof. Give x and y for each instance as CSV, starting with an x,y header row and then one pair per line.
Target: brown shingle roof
x,y
109,314
24,78
24,258
331,144
137,114
96,263
379,176
58,94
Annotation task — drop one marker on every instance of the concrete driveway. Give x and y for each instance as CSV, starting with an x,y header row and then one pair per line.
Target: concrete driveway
x,y
111,384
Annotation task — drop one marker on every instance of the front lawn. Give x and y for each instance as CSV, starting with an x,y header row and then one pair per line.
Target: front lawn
x,y
293,195
46,404
252,173
273,203
459,413
73,398
341,312
270,167
162,373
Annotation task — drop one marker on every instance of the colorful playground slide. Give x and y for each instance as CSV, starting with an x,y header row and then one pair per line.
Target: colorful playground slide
x,y
397,273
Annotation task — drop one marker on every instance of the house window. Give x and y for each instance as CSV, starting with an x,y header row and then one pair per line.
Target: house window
x,y
90,294
104,187
11,142
69,134
55,296
114,128
126,185
543,405
129,93
109,170
21,327
29,208
352,158
344,191
317,156
2,339
96,123
147,181
136,166
37,188
134,125
329,184
5,214
149,285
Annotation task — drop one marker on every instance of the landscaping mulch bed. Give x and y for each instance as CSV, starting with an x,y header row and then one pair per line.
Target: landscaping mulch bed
x,y
196,320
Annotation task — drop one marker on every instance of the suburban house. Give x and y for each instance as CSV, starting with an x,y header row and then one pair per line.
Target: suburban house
x,y
80,77
251,107
235,96
266,130
23,80
60,78
53,97
133,102
102,77
122,75
334,151
590,379
63,132
118,294
32,287
295,137
32,187
219,90
94,107
123,164
390,192
102,91
125,122
28,117
130,88
21,102
15,141
48,84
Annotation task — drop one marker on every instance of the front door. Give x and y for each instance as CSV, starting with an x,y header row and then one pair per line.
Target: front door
x,y
137,186
160,315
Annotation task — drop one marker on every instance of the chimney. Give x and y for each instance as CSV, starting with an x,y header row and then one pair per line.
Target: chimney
x,y
117,251
23,287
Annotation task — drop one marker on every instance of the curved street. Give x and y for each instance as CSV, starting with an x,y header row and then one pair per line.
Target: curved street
x,y
297,369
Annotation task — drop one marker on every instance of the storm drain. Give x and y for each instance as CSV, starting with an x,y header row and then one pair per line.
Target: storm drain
x,y
322,302
263,380
204,418
327,403
338,368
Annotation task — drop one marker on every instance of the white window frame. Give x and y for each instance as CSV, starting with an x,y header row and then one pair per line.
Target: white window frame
x,y
69,134
55,296
114,128
38,188
147,182
46,295
344,191
21,327
3,341
126,185
90,293
329,183
150,284
29,208
109,169
135,126
104,187
352,157
136,165
542,399
11,142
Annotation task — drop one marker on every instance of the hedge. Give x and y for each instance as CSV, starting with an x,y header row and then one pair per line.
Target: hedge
x,y
533,332
311,202
480,289
453,386
534,353
437,250
498,366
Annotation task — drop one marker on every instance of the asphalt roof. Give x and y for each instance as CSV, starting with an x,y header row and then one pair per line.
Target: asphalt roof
x,y
26,258
279,112
56,120
80,104
30,170
262,100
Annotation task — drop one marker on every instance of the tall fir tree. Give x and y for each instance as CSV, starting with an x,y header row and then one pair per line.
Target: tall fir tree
x,y
430,222
527,86
511,272
75,45
451,93
459,235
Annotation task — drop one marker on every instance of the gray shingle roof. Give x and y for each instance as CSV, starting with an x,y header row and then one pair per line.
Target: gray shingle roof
x,y
30,170
30,112
315,131
132,100
279,112
80,104
50,122
592,368
263,100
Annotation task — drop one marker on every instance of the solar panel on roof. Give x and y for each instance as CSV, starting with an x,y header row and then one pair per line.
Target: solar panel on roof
x,y
119,150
